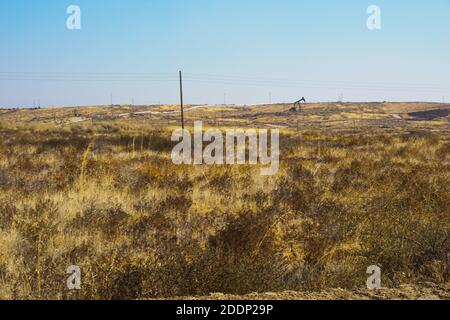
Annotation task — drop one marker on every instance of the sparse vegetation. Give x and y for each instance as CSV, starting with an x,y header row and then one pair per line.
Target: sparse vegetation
x,y
106,197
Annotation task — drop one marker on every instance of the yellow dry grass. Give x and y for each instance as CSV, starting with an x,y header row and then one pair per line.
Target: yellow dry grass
x,y
104,195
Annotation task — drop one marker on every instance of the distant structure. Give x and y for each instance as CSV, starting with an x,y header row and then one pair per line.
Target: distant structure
x,y
298,105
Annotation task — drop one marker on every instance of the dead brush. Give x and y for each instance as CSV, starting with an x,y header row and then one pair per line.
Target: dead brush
x,y
142,227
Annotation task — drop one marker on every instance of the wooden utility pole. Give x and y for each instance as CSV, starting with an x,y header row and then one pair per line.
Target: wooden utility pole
x,y
181,100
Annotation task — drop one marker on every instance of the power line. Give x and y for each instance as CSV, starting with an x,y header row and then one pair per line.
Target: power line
x,y
87,73
85,80
189,76
213,80
284,80
369,88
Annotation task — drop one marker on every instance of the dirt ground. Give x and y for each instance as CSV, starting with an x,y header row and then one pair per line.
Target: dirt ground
x,y
426,291
330,116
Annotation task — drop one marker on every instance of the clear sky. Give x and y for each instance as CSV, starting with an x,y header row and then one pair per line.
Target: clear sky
x,y
244,51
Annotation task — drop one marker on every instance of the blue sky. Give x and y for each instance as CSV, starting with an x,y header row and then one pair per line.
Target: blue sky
x,y
249,50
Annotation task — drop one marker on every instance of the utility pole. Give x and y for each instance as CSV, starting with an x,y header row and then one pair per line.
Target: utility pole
x,y
270,97
224,99
181,100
